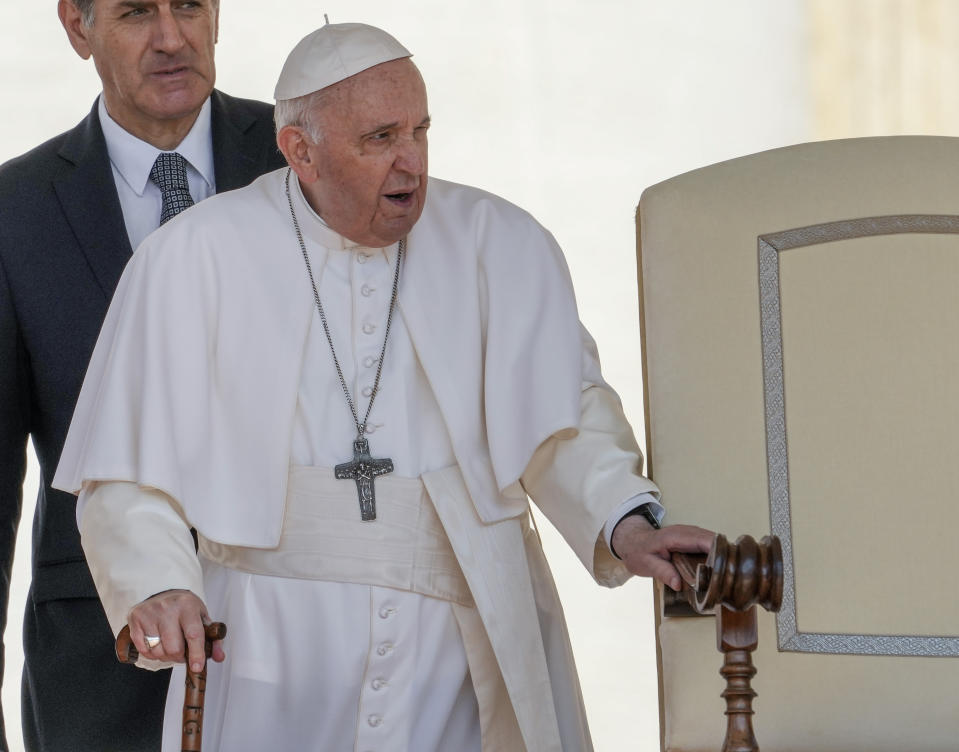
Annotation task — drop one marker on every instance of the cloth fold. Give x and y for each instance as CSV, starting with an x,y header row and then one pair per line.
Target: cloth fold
x,y
192,386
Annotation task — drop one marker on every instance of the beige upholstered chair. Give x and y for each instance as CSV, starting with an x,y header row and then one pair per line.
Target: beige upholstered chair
x,y
800,314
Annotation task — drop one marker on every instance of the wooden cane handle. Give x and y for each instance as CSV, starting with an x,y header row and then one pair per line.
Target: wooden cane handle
x,y
128,653
126,650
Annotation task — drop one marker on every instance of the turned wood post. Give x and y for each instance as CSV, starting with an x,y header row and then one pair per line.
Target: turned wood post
x,y
195,683
731,582
736,638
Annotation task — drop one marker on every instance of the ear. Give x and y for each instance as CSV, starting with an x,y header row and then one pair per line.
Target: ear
x,y
295,144
72,21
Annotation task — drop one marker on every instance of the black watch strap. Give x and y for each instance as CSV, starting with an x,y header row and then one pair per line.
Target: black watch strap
x,y
644,511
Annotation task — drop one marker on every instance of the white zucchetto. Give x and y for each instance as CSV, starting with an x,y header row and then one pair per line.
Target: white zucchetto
x,y
332,53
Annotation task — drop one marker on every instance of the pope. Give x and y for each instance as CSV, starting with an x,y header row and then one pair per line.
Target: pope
x,y
350,378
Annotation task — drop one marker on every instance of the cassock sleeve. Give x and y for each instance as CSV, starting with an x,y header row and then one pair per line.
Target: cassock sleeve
x,y
137,544
579,482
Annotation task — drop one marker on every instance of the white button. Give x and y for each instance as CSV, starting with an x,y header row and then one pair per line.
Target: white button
x,y
378,684
370,429
369,328
385,649
366,291
386,612
367,391
362,258
374,720
369,361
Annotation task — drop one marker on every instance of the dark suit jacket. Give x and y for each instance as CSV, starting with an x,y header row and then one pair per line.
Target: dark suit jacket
x,y
63,246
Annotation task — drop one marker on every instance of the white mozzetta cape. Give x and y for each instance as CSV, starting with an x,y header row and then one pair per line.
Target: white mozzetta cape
x,y
192,386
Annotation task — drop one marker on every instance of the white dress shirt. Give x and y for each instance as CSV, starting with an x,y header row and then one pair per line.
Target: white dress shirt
x,y
132,159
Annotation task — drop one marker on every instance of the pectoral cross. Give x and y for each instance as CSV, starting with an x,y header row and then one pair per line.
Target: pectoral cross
x,y
363,469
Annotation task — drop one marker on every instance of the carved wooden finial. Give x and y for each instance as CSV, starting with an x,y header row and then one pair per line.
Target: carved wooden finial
x,y
731,581
741,575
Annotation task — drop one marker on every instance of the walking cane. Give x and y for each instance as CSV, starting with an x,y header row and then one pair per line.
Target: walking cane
x,y
195,683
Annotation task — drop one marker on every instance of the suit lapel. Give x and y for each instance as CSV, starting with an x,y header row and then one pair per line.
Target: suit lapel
x,y
235,159
88,198
88,195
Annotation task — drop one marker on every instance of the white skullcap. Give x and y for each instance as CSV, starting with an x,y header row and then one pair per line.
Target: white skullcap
x,y
332,53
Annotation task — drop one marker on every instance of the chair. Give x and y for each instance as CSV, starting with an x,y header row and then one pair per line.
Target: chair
x,y
800,323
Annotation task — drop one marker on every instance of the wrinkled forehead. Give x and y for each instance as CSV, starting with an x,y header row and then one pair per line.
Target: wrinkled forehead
x,y
386,91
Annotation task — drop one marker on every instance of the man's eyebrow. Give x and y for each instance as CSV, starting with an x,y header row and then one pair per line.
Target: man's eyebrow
x,y
380,129
390,126
127,5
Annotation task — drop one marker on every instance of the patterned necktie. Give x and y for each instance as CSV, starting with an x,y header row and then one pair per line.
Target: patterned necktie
x,y
169,174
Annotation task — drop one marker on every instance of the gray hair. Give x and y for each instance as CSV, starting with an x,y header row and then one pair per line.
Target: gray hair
x,y
86,10
301,112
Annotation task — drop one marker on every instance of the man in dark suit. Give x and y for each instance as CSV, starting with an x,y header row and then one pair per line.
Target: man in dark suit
x,y
71,211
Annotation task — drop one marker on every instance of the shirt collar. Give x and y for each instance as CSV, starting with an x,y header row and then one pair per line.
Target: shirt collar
x,y
134,158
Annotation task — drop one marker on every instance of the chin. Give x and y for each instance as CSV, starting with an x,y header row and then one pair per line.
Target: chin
x,y
171,105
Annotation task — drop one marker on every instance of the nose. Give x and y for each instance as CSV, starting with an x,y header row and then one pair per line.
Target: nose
x,y
167,35
411,156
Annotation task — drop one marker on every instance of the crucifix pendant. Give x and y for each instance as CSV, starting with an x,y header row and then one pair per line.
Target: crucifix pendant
x,y
363,469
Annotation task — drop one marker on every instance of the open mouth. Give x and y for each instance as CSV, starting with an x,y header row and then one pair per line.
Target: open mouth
x,y
400,198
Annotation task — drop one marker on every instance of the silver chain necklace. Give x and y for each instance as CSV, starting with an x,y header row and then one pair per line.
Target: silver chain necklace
x,y
363,468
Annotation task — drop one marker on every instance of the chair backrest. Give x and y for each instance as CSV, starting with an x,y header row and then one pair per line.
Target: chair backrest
x,y
800,323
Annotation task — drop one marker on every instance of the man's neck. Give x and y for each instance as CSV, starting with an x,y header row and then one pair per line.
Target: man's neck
x,y
165,135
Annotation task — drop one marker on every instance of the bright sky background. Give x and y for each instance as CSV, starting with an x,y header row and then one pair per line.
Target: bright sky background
x,y
568,108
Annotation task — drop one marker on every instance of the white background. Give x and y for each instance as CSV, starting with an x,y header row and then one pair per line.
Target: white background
x,y
568,108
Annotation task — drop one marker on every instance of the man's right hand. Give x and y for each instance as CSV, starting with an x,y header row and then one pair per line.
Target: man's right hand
x,y
178,618
647,552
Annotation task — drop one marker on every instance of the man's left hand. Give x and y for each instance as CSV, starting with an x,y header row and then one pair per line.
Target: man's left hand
x,y
646,551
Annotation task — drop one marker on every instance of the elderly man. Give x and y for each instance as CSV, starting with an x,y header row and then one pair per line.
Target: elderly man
x,y
73,208
348,377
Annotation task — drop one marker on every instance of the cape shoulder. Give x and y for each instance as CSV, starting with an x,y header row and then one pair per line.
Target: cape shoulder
x,y
487,219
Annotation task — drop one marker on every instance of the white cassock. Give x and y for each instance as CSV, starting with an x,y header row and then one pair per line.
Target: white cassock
x,y
209,329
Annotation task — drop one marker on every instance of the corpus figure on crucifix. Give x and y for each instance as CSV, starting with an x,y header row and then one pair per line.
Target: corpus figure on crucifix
x,y
363,469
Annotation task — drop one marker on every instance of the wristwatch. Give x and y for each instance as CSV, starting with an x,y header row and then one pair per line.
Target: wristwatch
x,y
643,510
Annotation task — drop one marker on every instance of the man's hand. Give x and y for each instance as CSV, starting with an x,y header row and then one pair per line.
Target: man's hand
x,y
178,617
646,551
